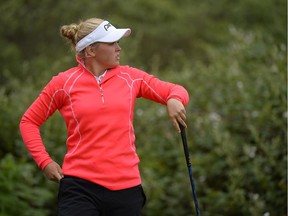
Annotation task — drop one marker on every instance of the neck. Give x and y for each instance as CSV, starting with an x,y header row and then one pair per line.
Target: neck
x,y
94,68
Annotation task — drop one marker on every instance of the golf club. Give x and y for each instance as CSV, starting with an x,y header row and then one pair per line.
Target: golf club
x,y
187,156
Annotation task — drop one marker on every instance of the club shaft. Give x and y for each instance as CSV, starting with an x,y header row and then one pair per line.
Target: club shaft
x,y
190,171
194,190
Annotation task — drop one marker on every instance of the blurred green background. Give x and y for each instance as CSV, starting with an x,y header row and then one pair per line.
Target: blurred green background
x,y
230,55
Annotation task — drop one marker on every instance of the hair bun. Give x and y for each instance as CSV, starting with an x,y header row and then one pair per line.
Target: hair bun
x,y
70,32
75,32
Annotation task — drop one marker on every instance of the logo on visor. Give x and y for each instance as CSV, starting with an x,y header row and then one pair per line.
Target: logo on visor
x,y
107,26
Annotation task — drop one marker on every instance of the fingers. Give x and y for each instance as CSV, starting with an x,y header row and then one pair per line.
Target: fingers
x,y
60,174
53,172
176,121
177,113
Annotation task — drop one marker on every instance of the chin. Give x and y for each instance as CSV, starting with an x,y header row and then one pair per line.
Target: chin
x,y
117,64
114,65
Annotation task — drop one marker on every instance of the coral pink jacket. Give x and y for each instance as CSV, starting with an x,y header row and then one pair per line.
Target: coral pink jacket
x,y
99,120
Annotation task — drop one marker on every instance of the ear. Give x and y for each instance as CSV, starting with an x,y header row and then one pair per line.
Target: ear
x,y
89,52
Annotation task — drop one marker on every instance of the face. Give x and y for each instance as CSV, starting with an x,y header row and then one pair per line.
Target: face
x,y
107,55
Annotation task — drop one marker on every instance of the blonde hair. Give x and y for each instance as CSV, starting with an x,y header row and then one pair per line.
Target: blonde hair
x,y
75,32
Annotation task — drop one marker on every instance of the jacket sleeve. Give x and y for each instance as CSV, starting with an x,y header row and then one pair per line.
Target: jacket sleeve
x,y
40,110
160,91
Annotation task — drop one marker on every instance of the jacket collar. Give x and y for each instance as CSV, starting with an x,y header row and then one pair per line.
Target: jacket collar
x,y
109,74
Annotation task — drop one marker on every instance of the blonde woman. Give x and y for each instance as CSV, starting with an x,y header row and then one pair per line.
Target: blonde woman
x,y
100,174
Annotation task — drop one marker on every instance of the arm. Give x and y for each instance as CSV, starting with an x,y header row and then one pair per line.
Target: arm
x,y
160,91
41,109
175,97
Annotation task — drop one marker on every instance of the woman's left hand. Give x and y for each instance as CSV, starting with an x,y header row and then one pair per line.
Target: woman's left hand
x,y
177,113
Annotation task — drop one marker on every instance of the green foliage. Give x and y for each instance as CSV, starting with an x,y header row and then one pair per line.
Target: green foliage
x,y
241,124
20,189
230,56
236,128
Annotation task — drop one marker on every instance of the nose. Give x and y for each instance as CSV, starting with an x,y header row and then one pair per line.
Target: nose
x,y
118,48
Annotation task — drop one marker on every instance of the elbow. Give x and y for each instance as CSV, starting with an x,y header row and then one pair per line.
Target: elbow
x,y
22,123
27,124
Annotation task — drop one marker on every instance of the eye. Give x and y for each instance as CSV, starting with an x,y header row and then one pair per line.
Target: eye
x,y
113,43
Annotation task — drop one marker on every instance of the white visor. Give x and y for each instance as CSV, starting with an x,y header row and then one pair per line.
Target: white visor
x,y
105,32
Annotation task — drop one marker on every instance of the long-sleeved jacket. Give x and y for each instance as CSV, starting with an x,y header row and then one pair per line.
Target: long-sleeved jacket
x,y
99,120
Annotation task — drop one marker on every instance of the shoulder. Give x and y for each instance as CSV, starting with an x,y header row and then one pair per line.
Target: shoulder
x,y
133,72
63,77
61,81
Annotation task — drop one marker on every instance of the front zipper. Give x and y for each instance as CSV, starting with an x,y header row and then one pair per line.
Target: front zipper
x,y
102,93
100,86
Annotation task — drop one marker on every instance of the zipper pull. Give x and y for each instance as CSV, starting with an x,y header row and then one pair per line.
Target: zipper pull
x,y
102,94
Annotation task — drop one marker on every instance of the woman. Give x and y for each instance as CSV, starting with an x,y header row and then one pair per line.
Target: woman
x,y
100,174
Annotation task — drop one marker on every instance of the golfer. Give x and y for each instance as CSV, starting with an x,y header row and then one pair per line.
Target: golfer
x,y
100,174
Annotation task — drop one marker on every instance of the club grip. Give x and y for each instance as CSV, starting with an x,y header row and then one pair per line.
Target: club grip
x,y
185,145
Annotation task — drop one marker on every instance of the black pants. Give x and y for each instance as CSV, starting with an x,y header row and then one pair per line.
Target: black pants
x,y
78,197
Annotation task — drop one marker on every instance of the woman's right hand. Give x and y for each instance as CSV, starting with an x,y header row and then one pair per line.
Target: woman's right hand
x,y
53,172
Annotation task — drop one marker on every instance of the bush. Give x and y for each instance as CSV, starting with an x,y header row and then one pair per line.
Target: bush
x,y
236,131
236,116
21,189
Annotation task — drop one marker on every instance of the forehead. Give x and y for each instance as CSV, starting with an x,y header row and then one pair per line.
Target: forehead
x,y
103,44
